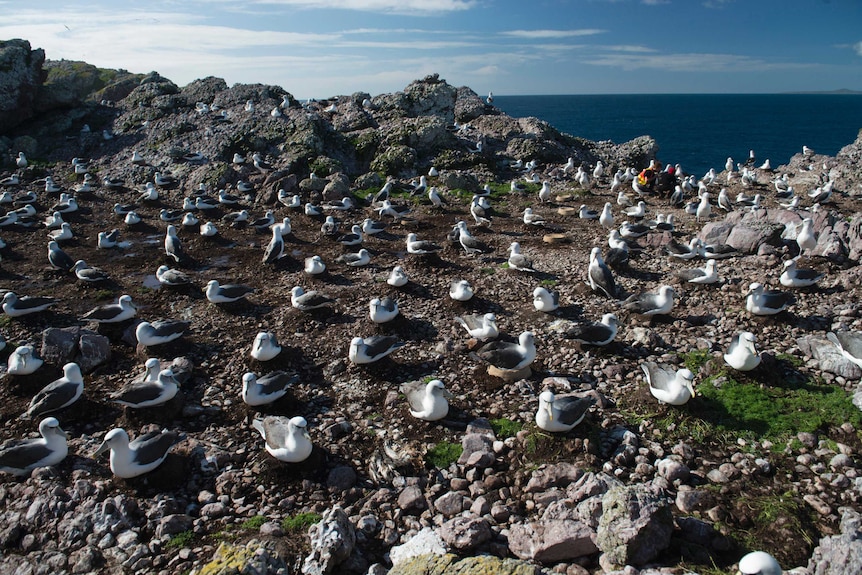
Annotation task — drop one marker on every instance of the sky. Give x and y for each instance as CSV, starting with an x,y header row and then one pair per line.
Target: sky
x,y
324,48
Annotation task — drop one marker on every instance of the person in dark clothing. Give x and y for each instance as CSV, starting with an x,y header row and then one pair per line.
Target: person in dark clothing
x,y
665,182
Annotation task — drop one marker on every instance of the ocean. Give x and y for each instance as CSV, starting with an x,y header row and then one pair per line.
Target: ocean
x,y
699,131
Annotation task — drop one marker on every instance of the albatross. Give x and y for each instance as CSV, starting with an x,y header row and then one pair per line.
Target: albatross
x,y
544,300
563,413
22,456
599,334
265,346
309,300
508,355
23,361
382,310
144,454
114,312
159,332
481,327
650,303
227,293
148,393
741,354
264,390
761,301
371,349
668,385
286,438
599,274
13,306
58,394
798,277
427,401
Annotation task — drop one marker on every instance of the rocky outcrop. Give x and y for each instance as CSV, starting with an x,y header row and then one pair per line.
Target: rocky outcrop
x,y
840,554
21,75
636,525
452,565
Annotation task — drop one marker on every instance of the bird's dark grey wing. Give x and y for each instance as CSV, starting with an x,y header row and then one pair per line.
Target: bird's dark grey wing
x,y
658,376
276,381
414,391
590,333
602,276
138,393
572,408
53,396
166,328
152,446
380,344
23,452
640,303
501,354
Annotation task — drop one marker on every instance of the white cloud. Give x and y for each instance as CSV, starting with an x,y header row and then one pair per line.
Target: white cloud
x,y
692,62
539,34
858,48
419,7
655,2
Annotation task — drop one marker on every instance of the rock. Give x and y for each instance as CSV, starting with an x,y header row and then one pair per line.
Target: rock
x,y
332,542
465,533
636,525
426,542
827,354
453,565
840,554
173,524
554,475
552,541
412,500
254,557
60,344
450,503
21,76
672,470
341,478
94,350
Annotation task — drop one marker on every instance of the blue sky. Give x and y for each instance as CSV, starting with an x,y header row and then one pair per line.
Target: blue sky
x,y
322,48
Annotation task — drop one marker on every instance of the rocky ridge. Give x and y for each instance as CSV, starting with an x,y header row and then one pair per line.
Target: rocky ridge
x,y
625,488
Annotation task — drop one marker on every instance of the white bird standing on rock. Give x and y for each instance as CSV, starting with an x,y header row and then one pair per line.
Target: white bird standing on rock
x,y
704,208
805,238
606,218
599,275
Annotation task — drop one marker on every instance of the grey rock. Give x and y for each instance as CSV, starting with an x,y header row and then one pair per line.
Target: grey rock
x,y
21,76
840,554
412,500
672,470
465,533
341,478
636,525
554,475
94,350
552,541
449,504
827,354
426,542
332,541
60,344
173,524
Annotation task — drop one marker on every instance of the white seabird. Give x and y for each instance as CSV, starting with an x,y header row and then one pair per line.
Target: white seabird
x,y
532,219
371,349
265,346
23,361
173,246
798,277
208,229
806,238
286,438
58,259
598,334
667,384
159,332
88,273
510,356
545,192
637,211
360,258
145,453
760,301
371,227
481,327
114,312
172,277
606,218
148,393
519,261
227,293
460,290
63,233
599,275
759,563
354,238
58,394
382,310
423,247
263,390
741,354
311,300
427,401
397,277
314,265
275,248
544,300
13,306
559,414
705,275
20,457
650,304
470,244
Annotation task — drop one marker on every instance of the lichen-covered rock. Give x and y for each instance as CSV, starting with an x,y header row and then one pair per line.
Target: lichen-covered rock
x,y
552,541
21,76
452,565
332,542
636,525
254,557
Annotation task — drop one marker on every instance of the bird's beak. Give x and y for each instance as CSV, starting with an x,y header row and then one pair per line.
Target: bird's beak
x,y
550,409
102,449
306,435
63,433
448,394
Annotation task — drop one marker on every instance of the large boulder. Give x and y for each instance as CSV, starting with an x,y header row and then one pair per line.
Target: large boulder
x,y
636,525
840,554
21,75
452,565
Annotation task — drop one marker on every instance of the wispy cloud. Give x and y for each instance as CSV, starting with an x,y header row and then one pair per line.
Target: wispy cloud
x,y
717,3
858,48
551,34
655,2
690,62
417,7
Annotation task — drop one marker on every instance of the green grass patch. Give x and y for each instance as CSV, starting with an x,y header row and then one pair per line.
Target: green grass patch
x,y
444,454
254,523
181,540
696,358
548,283
300,521
487,271
505,427
103,294
773,412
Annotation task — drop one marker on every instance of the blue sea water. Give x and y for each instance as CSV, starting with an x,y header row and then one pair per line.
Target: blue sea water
x,y
699,131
